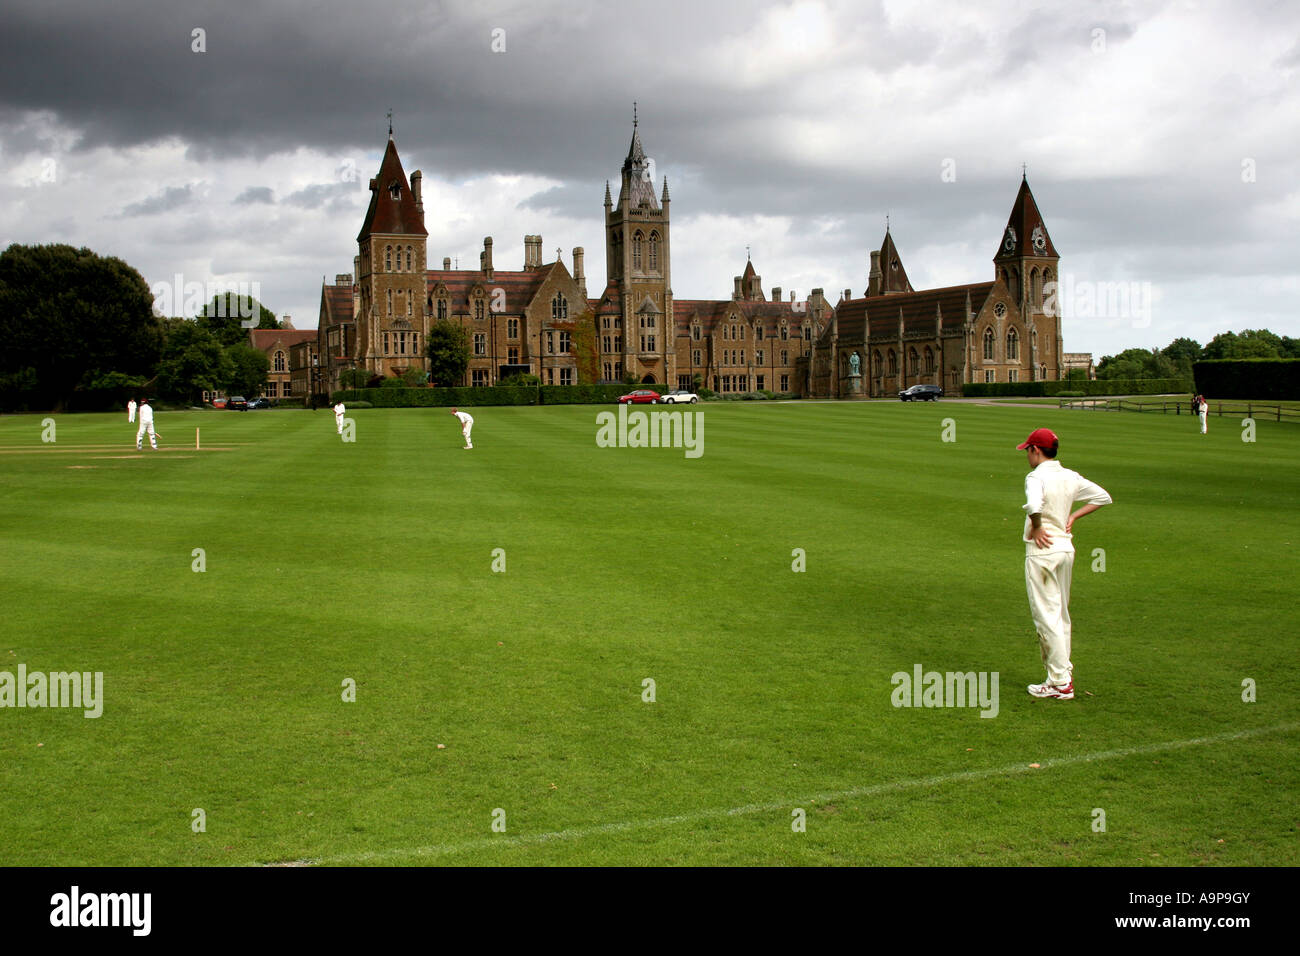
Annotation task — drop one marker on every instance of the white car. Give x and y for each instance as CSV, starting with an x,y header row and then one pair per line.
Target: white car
x,y
679,395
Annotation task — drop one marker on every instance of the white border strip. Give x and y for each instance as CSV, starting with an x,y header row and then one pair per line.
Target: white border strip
x,y
578,833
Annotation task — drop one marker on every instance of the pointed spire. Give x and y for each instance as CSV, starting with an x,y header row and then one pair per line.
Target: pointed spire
x,y
893,276
390,122
393,209
1025,233
608,200
665,197
638,175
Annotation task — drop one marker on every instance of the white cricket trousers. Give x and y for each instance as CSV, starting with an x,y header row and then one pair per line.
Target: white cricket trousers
x,y
139,436
1047,579
1205,415
465,430
338,424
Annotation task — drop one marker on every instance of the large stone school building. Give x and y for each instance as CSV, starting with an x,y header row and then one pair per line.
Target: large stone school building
x,y
377,318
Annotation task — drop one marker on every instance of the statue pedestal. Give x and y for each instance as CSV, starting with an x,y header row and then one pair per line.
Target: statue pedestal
x,y
855,385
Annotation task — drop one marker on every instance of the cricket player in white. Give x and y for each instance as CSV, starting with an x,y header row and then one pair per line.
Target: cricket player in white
x,y
130,410
466,426
338,417
146,424
1050,492
1202,409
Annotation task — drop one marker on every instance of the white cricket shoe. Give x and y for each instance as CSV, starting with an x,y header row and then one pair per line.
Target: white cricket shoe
x,y
1052,691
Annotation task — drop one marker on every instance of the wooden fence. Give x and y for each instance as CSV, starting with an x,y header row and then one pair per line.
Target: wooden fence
x,y
1281,413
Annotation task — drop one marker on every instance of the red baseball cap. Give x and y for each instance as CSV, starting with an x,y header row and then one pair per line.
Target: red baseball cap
x,y
1039,438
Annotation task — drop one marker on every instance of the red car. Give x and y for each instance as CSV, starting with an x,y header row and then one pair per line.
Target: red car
x,y
641,396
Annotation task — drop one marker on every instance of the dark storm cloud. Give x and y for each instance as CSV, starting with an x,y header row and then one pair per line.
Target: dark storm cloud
x,y
171,198
254,194
330,196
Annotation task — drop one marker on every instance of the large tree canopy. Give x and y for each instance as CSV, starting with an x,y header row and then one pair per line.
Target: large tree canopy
x,y
69,316
248,368
193,362
226,314
448,352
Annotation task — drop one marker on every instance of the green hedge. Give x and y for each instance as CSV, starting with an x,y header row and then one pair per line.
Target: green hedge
x,y
1111,386
592,394
1277,379
392,397
437,397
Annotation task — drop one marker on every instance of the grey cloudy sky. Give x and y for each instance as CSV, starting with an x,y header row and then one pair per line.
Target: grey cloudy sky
x,y
1159,136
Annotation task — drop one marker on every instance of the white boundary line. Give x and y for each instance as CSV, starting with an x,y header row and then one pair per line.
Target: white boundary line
x,y
578,833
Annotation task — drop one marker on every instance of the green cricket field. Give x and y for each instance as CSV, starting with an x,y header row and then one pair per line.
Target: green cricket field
x,y
282,647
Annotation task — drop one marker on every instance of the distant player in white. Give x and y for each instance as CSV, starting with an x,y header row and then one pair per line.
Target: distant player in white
x,y
146,424
338,417
1202,409
130,410
466,426
1050,492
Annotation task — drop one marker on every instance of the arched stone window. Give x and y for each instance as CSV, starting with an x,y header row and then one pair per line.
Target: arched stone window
x,y
408,259
893,363
279,363
1013,345
388,258
988,345
654,252
929,360
559,307
913,362
637,239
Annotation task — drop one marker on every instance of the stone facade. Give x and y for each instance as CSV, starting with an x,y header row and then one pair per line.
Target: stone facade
x,y
532,320
999,331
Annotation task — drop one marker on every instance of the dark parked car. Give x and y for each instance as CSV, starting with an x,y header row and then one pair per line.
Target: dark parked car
x,y
238,403
639,397
260,403
921,393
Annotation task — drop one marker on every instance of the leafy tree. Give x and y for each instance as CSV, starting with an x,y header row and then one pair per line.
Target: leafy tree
x,y
248,368
66,314
1131,363
1182,352
225,314
415,377
1290,347
193,362
448,351
583,345
1249,343
520,380
1137,363
354,378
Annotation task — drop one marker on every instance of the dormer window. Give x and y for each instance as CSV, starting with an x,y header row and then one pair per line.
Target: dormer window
x,y
395,189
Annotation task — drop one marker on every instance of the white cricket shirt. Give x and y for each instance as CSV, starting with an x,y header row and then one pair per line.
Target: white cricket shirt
x,y
1051,490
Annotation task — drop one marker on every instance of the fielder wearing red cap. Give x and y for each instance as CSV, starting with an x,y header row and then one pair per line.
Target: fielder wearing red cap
x,y
1050,492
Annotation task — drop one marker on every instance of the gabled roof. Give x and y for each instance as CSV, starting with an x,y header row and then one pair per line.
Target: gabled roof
x,y
917,309
1025,218
267,339
337,301
894,276
388,215
713,311
520,287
